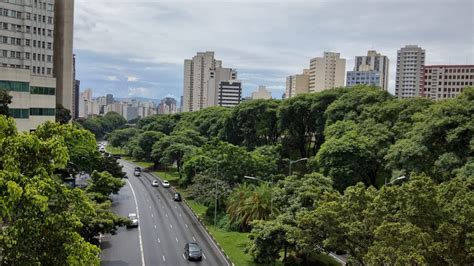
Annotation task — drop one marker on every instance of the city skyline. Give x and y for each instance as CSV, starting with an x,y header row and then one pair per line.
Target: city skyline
x,y
149,63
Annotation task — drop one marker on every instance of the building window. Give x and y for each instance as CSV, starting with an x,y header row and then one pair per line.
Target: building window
x,y
42,111
14,86
27,56
50,45
42,90
12,54
5,53
27,42
50,33
50,20
19,113
49,58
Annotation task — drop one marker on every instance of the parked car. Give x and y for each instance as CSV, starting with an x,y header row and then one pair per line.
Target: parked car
x,y
165,183
177,197
192,251
154,183
133,220
137,171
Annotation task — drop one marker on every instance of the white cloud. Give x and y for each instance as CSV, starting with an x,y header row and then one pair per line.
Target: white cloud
x,y
111,78
140,91
132,79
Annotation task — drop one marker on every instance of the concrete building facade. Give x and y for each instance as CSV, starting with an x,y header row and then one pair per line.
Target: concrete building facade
x,y
168,106
230,93
410,63
297,84
326,72
216,77
261,93
371,70
446,81
197,72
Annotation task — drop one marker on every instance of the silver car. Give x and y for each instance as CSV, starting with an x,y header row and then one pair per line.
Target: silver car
x,y
133,220
165,183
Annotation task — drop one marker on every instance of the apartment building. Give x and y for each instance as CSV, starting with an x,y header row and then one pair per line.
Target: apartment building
x,y
370,70
297,84
410,63
326,72
197,72
446,81
168,106
28,55
213,86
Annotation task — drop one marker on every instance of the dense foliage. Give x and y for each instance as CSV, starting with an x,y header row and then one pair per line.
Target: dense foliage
x,y
44,221
101,125
356,140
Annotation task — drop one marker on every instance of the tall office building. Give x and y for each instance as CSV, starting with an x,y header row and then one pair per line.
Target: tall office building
x,y
297,84
197,72
230,93
371,70
168,106
216,77
76,88
446,81
28,57
326,72
63,52
109,99
410,62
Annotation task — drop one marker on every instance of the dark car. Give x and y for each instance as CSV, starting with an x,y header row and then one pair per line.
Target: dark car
x,y
177,197
192,251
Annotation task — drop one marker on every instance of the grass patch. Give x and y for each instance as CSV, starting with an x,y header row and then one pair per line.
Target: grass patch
x,y
171,174
234,244
114,150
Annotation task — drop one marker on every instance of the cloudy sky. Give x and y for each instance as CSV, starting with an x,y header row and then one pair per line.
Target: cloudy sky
x,y
137,47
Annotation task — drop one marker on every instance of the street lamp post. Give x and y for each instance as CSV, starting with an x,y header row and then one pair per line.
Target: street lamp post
x,y
215,204
292,162
395,180
271,190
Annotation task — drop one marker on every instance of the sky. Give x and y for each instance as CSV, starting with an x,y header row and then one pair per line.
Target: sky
x,y
136,48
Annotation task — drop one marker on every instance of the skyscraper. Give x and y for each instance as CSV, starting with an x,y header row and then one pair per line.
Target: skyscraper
x,y
410,62
109,99
326,72
197,72
28,55
75,92
371,69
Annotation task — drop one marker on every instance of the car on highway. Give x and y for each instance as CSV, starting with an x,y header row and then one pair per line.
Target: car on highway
x,y
154,183
177,197
165,183
192,251
137,171
102,149
133,220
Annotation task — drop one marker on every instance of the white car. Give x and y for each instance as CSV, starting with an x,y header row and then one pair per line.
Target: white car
x,y
165,183
133,219
154,183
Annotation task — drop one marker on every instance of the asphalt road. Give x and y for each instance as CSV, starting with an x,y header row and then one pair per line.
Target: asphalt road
x,y
165,226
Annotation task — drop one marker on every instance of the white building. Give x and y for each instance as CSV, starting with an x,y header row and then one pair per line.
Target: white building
x,y
28,54
297,84
261,93
410,62
326,72
197,72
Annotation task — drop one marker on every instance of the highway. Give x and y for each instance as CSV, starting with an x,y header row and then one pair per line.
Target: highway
x,y
165,226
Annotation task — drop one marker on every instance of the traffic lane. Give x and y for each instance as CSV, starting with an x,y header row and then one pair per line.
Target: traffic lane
x,y
159,238
190,229
122,248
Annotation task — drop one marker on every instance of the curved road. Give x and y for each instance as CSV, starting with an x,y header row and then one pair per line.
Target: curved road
x,y
165,226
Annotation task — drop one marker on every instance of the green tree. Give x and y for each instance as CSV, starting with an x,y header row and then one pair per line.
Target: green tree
x,y
253,124
94,125
119,137
144,144
112,121
5,100
302,120
209,122
161,123
63,115
103,184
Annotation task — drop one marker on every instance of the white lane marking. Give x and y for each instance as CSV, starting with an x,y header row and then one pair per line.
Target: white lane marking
x,y
162,206
180,215
184,256
166,215
194,238
164,258
171,225
175,206
186,225
155,226
159,241
149,207
152,215
139,230
176,239
204,255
